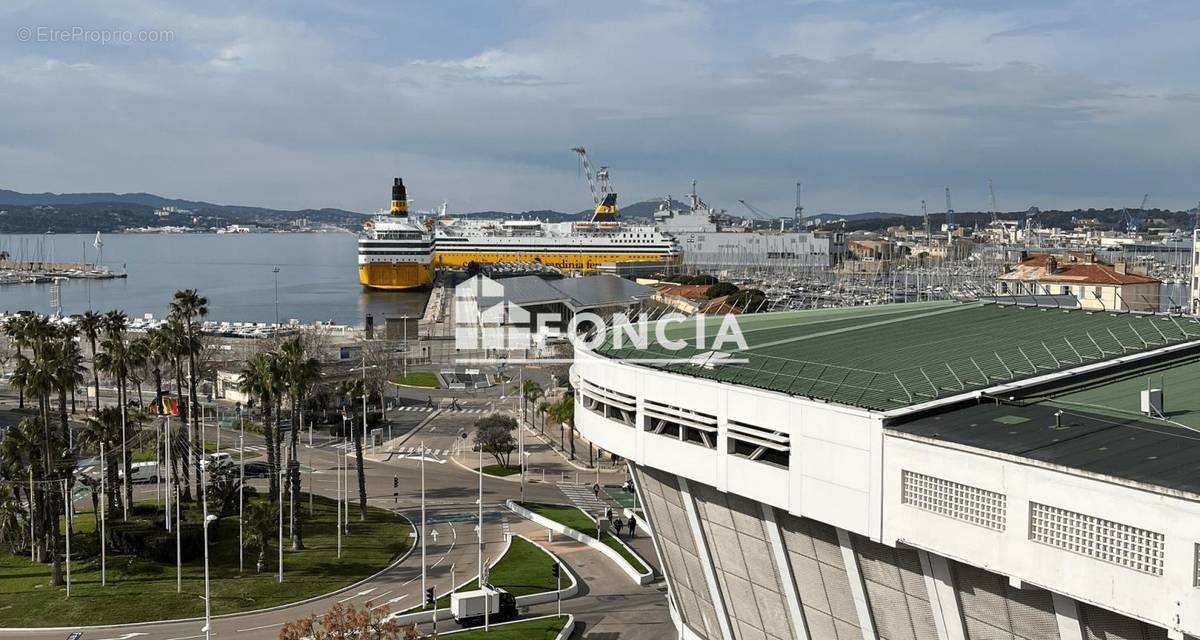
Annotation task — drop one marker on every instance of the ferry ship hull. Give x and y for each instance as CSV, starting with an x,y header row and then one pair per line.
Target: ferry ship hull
x,y
583,261
397,276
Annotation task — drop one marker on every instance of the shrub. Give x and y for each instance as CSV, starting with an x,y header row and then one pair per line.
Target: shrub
x,y
721,289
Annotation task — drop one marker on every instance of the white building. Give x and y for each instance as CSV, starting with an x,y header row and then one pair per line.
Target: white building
x,y
941,482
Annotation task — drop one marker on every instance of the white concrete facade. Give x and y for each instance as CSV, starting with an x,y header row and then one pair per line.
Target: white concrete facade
x,y
845,469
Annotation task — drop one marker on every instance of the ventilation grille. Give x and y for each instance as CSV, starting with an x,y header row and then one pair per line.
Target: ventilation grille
x,y
758,443
1105,540
1196,564
963,502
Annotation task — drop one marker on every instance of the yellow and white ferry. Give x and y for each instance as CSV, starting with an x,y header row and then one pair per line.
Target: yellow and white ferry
x,y
394,250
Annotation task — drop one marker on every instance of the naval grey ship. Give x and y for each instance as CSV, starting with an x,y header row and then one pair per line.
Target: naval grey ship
x,y
709,239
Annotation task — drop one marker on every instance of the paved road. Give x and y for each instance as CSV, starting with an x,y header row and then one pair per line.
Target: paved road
x,y
451,492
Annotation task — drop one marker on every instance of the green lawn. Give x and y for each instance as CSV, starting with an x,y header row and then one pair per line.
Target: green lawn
x,y
499,471
564,515
140,590
522,570
416,379
537,629
574,518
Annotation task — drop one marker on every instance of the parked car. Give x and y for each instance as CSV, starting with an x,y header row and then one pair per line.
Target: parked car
x,y
141,472
220,459
257,469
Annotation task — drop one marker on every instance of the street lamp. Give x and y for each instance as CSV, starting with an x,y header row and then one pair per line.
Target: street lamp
x,y
276,272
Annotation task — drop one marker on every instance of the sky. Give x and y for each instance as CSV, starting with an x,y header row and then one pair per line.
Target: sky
x,y
873,105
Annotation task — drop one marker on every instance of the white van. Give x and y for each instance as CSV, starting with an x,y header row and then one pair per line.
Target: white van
x,y
216,460
141,472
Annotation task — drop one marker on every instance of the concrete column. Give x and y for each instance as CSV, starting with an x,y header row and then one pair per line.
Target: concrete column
x,y
858,590
706,562
1066,612
786,579
672,599
942,596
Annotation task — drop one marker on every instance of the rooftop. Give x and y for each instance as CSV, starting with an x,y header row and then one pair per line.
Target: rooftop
x,y
1074,269
1134,448
894,356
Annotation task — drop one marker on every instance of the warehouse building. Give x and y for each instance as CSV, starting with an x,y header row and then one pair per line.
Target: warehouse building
x,y
936,470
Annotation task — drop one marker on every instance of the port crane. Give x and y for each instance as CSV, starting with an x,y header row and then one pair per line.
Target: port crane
x,y
992,197
1131,220
604,198
758,213
925,217
799,213
949,212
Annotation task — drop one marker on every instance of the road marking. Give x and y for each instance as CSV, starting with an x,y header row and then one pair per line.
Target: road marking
x,y
127,636
265,626
360,593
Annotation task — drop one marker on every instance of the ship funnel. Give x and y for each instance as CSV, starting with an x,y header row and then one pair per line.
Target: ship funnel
x,y
399,198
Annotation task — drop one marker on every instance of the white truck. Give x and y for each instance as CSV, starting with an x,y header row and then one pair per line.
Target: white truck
x,y
468,606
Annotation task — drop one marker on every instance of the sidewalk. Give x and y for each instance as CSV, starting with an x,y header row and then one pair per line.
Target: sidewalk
x,y
546,464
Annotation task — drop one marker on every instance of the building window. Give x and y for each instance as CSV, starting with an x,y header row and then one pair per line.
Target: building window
x,y
683,424
1105,540
757,443
973,505
613,405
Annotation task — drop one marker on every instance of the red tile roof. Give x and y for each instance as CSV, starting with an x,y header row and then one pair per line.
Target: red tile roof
x,y
1078,272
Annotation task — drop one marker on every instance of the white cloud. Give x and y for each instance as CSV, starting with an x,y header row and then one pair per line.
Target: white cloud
x,y
873,106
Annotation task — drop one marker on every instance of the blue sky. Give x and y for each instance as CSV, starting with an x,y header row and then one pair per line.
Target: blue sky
x,y
873,105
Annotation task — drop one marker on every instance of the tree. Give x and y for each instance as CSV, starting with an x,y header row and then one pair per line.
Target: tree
x,y
189,307
748,300
118,361
177,344
720,289
353,390
12,520
16,328
259,521
563,412
258,380
300,373
224,487
494,435
345,621
105,428
90,324
531,392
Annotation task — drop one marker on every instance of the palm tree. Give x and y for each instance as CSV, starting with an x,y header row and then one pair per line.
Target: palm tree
x,y
68,373
352,390
118,361
258,380
543,408
563,412
531,392
15,329
190,307
300,374
105,428
90,324
259,522
20,454
175,344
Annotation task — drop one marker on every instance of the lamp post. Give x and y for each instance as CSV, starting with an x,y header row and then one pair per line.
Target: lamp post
x,y
207,520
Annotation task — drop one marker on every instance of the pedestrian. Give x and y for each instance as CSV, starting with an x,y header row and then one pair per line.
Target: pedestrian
x,y
596,490
608,513
617,524
632,526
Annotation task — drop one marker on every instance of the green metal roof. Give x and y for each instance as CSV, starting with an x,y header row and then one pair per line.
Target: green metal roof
x,y
886,357
1120,395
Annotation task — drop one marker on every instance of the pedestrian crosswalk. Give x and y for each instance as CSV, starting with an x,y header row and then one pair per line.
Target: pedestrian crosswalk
x,y
581,495
250,448
348,446
426,409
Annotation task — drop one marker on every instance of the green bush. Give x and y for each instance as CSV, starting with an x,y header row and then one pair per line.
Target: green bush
x,y
721,289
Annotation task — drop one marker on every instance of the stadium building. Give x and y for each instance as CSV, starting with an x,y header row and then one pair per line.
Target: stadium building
x,y
926,471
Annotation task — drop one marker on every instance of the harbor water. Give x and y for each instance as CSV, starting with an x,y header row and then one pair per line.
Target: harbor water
x,y
317,279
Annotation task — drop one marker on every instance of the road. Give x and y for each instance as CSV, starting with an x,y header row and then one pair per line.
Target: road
x,y
610,601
